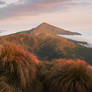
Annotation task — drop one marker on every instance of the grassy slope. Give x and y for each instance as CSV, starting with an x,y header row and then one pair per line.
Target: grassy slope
x,y
48,46
44,27
21,71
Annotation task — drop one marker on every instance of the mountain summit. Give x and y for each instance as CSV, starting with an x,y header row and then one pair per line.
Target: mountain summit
x,y
48,28
44,42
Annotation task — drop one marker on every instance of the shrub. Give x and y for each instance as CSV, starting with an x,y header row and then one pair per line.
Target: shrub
x,y
68,76
5,87
19,68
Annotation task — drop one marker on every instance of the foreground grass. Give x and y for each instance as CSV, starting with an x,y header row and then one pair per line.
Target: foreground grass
x,y
68,76
21,71
18,70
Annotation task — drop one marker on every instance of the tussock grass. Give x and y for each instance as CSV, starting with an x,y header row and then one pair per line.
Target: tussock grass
x,y
21,71
19,68
68,76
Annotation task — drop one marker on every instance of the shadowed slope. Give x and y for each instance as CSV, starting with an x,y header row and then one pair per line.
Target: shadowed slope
x,y
46,47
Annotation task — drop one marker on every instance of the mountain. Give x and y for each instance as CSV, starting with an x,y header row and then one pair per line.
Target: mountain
x,y
48,46
47,28
21,71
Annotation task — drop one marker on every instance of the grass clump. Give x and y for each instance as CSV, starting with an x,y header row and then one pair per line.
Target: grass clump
x,y
19,69
68,76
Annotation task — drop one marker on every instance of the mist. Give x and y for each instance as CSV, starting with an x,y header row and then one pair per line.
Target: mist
x,y
86,36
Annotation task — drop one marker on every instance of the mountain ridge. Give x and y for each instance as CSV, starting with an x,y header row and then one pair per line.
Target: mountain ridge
x,y
48,28
47,45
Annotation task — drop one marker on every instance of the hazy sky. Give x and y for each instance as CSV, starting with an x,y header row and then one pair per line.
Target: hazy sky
x,y
25,14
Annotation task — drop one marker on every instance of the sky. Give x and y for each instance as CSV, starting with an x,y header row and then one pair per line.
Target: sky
x,y
26,14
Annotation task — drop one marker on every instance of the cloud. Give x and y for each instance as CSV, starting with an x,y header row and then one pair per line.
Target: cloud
x,y
33,7
1,2
18,3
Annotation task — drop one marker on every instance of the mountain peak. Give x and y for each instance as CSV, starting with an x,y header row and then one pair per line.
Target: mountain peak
x,y
51,29
54,29
48,26
44,23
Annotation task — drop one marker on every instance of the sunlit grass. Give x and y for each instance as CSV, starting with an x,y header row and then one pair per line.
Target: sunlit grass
x,y
19,68
21,71
68,76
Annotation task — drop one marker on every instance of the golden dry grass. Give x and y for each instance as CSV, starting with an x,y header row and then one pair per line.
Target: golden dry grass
x,y
68,76
19,69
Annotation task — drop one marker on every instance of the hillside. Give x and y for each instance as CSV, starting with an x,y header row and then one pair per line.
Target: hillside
x,y
44,63
21,71
47,28
48,46
38,44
